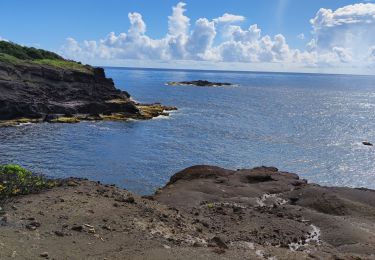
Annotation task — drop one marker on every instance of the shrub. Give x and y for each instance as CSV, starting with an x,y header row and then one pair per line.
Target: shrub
x,y
65,64
15,180
16,54
27,53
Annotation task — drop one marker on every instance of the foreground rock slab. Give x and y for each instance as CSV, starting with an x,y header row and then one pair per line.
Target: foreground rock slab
x,y
204,212
277,211
86,220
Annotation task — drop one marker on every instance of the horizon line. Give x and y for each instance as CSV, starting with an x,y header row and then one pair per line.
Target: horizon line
x,y
236,71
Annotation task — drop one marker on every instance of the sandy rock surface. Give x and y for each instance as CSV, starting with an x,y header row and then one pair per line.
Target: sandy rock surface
x,y
204,212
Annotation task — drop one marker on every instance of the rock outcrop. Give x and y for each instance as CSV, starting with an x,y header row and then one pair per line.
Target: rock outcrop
x,y
204,212
34,90
199,83
42,92
277,210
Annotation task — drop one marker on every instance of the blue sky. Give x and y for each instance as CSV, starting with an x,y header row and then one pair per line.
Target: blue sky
x,y
47,24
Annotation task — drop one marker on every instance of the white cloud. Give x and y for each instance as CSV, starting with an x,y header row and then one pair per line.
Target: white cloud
x,y
344,55
201,40
137,25
251,35
229,18
178,22
177,37
350,27
344,37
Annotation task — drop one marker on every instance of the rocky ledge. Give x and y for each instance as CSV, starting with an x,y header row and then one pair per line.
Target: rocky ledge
x,y
199,83
204,212
36,93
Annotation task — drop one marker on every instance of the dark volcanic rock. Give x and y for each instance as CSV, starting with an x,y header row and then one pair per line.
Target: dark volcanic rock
x,y
269,207
204,212
35,91
199,83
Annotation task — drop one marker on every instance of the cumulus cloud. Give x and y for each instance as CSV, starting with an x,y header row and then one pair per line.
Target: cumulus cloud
x,y
201,40
342,36
344,55
229,18
347,29
178,22
250,35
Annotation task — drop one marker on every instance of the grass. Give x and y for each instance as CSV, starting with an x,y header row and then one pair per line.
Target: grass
x,y
16,54
65,64
27,53
9,59
15,180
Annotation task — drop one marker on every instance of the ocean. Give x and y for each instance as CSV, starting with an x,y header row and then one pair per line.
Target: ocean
x,y
309,124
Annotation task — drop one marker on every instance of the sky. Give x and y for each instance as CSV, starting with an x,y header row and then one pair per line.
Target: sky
x,y
332,36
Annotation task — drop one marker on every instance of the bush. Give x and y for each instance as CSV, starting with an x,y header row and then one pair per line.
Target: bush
x,y
27,53
15,180
16,54
65,64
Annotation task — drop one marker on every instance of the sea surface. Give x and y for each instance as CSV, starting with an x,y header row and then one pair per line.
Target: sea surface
x,y
309,124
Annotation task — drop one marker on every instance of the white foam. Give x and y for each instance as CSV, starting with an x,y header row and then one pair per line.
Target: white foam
x,y
170,113
24,124
100,127
161,117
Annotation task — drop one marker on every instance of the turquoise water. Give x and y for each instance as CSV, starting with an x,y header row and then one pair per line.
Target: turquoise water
x,y
309,124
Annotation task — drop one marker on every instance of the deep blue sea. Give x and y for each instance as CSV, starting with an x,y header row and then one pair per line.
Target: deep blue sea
x,y
309,124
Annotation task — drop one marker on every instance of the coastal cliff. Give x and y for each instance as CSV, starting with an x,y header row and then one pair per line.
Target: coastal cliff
x,y
204,212
46,87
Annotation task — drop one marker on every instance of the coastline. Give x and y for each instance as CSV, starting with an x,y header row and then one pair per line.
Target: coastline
x,y
204,212
35,92
146,112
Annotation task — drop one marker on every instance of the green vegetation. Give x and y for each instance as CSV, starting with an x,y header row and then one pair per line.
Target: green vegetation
x,y
65,64
15,180
17,54
9,59
27,53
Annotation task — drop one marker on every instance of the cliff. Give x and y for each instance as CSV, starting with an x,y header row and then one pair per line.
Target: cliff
x,y
48,89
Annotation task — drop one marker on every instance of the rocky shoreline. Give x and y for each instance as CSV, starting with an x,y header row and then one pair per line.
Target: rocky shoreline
x,y
145,112
33,93
204,212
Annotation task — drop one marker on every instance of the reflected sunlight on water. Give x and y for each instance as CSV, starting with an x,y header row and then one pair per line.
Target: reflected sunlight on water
x,y
309,124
